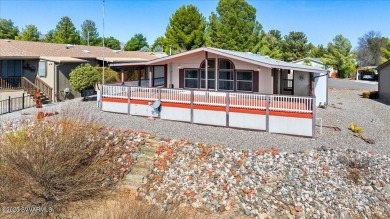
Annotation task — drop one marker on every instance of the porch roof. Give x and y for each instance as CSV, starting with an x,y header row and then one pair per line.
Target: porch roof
x,y
242,56
62,59
120,59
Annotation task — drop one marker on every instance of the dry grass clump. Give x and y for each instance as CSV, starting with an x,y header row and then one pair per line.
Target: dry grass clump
x,y
51,164
370,94
125,206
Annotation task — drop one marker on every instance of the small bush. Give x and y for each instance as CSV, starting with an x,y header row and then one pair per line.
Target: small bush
x,y
50,164
370,94
86,76
355,128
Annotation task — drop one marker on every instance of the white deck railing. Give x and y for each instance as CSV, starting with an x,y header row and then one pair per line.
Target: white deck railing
x,y
175,95
144,93
115,91
291,104
210,98
213,98
247,101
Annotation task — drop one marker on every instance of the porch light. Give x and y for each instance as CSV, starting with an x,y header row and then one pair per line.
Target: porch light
x,y
179,67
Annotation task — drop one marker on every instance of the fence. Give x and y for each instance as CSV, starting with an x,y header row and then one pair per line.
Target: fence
x,y
17,103
272,113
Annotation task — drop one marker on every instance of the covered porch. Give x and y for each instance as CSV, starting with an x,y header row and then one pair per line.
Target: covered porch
x,y
223,70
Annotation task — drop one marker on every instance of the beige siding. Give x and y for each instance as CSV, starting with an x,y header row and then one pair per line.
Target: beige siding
x,y
265,75
384,82
50,71
301,83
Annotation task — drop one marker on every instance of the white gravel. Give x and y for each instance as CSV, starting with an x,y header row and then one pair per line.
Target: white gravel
x,y
345,106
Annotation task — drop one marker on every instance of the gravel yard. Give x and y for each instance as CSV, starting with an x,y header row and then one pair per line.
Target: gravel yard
x,y
345,106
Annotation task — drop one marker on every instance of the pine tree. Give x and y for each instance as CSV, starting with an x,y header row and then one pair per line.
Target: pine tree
x,y
8,30
234,26
136,43
110,42
340,56
186,29
65,32
270,44
89,33
30,33
386,52
295,46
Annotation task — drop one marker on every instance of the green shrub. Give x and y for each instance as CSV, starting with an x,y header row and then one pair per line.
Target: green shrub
x,y
86,76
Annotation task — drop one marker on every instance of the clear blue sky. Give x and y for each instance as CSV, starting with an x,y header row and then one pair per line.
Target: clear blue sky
x,y
320,20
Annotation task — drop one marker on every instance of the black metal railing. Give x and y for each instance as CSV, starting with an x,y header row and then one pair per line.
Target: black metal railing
x,y
17,103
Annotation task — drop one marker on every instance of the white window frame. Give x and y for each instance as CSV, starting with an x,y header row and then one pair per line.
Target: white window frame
x,y
44,74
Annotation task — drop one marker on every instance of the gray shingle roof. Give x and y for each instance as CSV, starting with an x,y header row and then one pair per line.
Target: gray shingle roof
x,y
266,60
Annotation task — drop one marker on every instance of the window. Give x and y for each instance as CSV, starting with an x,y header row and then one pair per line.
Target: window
x,y
191,78
210,76
288,82
12,68
244,80
210,79
42,68
226,80
226,75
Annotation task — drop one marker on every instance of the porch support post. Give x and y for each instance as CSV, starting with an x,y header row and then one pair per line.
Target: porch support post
x,y
267,102
227,108
150,77
128,99
216,73
314,118
192,106
206,73
122,76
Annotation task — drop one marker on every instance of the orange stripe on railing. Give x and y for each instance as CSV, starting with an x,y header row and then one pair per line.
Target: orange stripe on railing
x,y
117,100
290,114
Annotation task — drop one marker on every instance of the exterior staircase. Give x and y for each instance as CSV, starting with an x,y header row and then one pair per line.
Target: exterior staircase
x,y
45,90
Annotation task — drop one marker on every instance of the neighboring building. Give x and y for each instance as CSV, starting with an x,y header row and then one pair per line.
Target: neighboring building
x,y
228,71
316,62
384,82
47,65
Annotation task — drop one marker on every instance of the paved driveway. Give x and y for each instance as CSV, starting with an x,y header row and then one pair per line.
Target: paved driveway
x,y
350,84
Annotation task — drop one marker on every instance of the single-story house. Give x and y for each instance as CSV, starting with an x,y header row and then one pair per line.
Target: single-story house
x,y
225,70
47,65
384,81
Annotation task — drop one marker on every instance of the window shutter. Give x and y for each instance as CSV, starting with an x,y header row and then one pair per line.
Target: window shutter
x,y
181,78
255,81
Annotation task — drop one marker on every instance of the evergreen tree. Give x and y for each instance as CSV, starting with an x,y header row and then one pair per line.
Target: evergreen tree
x,y
161,42
234,26
89,33
186,29
158,48
295,46
8,30
49,36
386,52
110,42
270,45
340,56
30,33
318,52
136,43
65,32
145,49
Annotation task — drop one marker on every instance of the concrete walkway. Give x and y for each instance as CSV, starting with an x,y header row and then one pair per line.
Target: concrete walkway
x,y
352,84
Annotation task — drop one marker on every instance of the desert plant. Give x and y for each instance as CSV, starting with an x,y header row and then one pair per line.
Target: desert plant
x,y
355,128
51,164
370,94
